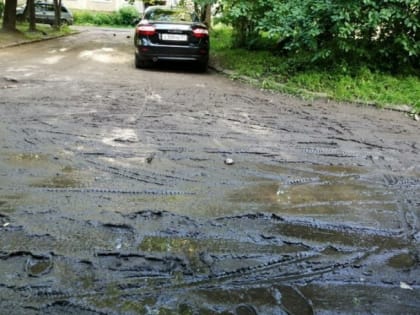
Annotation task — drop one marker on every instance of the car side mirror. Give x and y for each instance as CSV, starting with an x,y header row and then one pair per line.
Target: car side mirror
x,y
135,21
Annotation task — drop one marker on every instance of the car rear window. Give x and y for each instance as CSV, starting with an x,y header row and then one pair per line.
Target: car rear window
x,y
170,15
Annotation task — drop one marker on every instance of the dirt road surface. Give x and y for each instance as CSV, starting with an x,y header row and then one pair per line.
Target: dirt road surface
x,y
169,191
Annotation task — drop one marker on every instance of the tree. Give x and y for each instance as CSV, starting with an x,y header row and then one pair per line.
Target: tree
x,y
378,33
9,17
29,15
30,7
148,3
57,14
201,7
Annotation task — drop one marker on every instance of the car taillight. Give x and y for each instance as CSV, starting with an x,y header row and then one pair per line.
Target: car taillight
x,y
200,32
146,30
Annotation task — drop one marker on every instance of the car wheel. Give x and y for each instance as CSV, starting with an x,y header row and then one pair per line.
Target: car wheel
x,y
141,63
20,18
203,66
64,22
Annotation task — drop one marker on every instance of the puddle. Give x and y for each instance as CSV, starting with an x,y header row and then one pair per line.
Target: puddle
x,y
27,159
276,299
348,237
58,181
203,253
192,247
24,168
8,203
402,261
330,193
36,267
340,169
361,298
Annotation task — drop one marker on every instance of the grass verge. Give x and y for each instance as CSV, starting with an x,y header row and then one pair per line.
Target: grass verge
x,y
268,71
23,35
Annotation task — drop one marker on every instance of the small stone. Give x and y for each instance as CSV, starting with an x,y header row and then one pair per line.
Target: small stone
x,y
229,161
405,286
10,79
150,158
416,117
206,258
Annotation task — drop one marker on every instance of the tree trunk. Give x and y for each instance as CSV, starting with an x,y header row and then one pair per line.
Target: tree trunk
x,y
30,7
207,15
9,18
57,10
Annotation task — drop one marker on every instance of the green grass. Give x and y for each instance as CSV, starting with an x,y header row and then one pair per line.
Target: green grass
x,y
42,31
279,73
121,18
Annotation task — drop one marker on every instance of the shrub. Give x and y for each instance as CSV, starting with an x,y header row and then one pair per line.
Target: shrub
x,y
123,17
1,9
126,15
382,34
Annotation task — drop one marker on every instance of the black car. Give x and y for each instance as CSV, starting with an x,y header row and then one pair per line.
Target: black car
x,y
171,34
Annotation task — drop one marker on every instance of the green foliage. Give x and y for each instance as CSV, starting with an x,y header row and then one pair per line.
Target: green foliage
x,y
92,18
123,17
1,8
383,34
244,16
153,2
352,83
365,86
126,15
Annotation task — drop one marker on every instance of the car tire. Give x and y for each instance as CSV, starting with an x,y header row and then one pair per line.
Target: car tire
x,y
20,18
203,66
141,64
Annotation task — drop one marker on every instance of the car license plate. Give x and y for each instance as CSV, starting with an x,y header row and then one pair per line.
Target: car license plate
x,y
175,37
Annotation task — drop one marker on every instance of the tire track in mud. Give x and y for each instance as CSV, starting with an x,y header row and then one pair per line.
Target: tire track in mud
x,y
409,188
138,287
140,281
120,251
147,176
117,191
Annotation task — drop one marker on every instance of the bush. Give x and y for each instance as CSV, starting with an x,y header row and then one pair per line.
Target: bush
x,y
123,17
127,15
1,9
381,34
269,71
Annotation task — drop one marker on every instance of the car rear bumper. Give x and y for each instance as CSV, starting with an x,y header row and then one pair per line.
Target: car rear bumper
x,y
180,53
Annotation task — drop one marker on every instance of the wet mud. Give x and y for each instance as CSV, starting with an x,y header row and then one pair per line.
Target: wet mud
x,y
116,198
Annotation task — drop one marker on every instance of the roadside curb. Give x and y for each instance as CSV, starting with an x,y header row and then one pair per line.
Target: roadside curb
x,y
32,41
406,109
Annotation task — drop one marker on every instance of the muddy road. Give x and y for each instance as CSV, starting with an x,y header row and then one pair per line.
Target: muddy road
x,y
116,198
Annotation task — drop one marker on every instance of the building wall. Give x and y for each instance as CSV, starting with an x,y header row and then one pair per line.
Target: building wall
x,y
106,5
101,5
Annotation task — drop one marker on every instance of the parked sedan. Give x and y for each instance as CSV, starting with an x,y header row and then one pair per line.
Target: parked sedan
x,y
171,34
